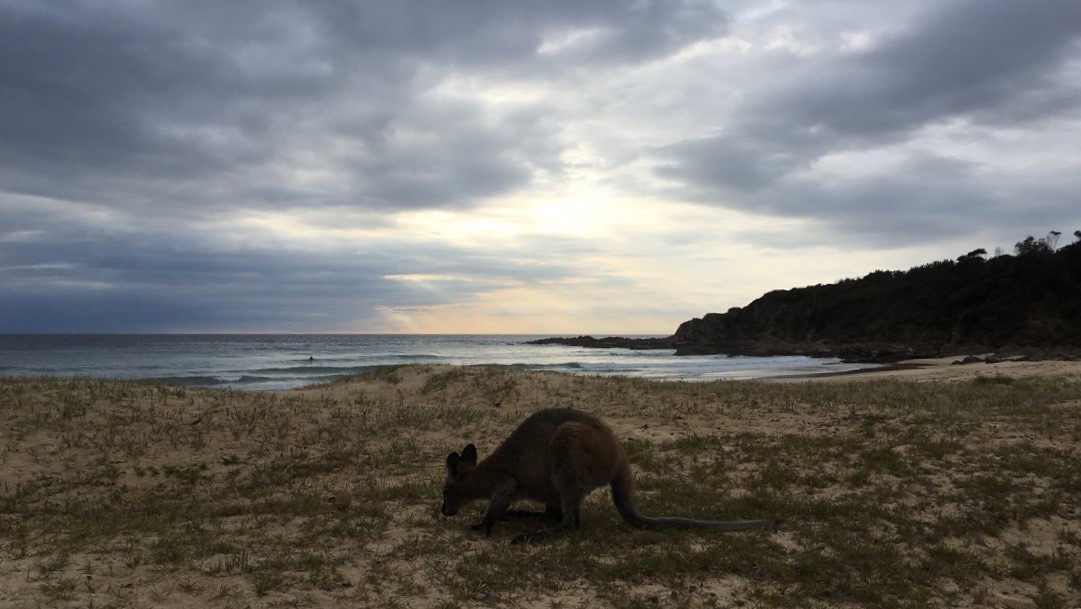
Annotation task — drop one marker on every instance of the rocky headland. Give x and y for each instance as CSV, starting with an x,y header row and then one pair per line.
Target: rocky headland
x,y
1024,305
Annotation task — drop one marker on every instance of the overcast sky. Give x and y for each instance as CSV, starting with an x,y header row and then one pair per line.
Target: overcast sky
x,y
546,167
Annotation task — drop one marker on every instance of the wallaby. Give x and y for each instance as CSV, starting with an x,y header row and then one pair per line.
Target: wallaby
x,y
556,456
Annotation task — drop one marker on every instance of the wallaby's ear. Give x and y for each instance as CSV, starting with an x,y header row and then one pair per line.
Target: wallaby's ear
x,y
469,455
453,461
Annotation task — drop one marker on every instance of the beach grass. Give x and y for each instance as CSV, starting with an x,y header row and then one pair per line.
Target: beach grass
x,y
889,494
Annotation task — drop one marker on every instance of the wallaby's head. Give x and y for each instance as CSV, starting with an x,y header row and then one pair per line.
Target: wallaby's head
x,y
455,489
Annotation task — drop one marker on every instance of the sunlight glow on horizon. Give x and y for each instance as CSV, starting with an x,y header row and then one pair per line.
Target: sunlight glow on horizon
x,y
619,281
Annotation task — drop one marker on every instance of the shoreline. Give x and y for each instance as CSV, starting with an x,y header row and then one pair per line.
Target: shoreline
x,y
918,369
948,369
855,353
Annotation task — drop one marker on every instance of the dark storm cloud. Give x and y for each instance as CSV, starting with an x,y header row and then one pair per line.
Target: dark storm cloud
x,y
504,35
990,65
967,58
82,279
104,102
103,280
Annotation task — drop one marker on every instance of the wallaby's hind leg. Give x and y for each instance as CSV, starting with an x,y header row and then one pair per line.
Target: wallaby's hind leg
x,y
551,512
571,520
566,525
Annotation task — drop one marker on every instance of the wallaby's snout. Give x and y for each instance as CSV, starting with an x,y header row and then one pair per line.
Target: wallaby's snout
x,y
448,510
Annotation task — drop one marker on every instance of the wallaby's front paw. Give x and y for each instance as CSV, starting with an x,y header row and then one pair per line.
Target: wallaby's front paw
x,y
477,527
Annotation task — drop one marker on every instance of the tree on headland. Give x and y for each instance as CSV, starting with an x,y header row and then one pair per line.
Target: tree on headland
x,y
977,254
1032,246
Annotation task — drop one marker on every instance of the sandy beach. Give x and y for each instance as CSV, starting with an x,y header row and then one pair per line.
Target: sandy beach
x,y
926,485
949,369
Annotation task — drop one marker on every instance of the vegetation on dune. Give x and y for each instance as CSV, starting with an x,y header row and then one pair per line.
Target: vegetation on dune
x,y
892,494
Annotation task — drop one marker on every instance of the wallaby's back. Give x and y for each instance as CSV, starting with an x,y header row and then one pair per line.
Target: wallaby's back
x,y
558,444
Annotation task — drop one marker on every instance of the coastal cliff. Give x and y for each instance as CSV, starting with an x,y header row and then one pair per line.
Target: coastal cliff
x,y
1025,303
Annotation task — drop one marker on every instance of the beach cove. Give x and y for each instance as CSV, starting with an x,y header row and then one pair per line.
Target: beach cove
x,y
926,485
290,361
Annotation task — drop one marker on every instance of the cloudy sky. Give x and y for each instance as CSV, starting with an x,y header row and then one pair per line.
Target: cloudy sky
x,y
563,166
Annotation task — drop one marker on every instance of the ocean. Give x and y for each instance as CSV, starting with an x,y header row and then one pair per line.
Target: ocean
x,y
279,361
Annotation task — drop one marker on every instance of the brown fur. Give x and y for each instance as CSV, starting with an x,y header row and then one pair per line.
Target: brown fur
x,y
556,457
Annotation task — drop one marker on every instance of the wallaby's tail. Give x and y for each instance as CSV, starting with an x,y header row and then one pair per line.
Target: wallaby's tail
x,y
621,496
